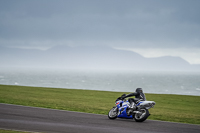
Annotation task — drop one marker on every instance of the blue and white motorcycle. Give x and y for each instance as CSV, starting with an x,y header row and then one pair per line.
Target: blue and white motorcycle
x,y
139,112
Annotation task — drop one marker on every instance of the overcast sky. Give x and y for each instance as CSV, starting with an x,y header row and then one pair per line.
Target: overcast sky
x,y
152,28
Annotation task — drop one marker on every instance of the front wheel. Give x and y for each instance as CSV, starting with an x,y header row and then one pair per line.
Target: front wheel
x,y
113,113
142,115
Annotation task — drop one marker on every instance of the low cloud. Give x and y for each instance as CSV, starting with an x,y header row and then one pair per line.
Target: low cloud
x,y
127,24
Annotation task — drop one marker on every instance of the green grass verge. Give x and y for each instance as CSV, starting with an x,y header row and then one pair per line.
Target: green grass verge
x,y
175,108
10,131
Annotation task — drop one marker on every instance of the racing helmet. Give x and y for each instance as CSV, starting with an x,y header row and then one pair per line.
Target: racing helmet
x,y
139,90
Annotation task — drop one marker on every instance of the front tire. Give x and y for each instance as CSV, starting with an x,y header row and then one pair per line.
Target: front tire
x,y
113,113
140,117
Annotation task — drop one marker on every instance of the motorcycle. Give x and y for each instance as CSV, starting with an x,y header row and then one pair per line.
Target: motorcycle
x,y
140,111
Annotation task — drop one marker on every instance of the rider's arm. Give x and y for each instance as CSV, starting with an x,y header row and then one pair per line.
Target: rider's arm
x,y
131,94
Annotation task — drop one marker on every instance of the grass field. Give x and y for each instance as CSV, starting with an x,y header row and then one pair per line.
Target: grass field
x,y
10,131
175,108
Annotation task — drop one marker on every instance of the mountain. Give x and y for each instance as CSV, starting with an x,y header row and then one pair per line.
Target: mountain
x,y
90,58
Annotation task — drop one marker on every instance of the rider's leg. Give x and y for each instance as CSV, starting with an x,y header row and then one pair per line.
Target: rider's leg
x,y
132,103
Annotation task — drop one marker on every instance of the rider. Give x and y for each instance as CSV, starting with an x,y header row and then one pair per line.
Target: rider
x,y
139,96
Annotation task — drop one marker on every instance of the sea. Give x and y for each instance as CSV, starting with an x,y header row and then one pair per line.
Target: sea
x,y
157,82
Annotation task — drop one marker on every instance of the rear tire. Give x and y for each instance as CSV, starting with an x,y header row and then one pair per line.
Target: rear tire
x,y
113,113
143,116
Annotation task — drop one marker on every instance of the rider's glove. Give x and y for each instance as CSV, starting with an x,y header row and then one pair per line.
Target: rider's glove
x,y
123,96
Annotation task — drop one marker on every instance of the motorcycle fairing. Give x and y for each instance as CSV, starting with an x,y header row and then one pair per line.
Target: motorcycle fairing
x,y
122,112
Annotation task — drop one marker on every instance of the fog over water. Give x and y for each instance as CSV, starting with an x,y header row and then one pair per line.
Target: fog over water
x,y
183,83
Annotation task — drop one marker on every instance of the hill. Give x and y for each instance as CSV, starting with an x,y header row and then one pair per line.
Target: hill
x,y
90,58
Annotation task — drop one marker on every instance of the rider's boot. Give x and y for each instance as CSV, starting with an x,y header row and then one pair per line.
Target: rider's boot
x,y
131,108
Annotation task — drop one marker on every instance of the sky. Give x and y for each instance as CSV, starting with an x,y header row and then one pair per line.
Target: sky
x,y
152,28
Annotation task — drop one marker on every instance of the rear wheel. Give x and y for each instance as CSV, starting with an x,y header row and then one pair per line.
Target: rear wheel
x,y
142,115
113,113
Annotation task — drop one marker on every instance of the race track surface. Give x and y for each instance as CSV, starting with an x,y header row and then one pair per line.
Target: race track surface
x,y
55,121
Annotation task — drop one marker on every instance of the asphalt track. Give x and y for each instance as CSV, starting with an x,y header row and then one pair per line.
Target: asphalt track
x,y
33,119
